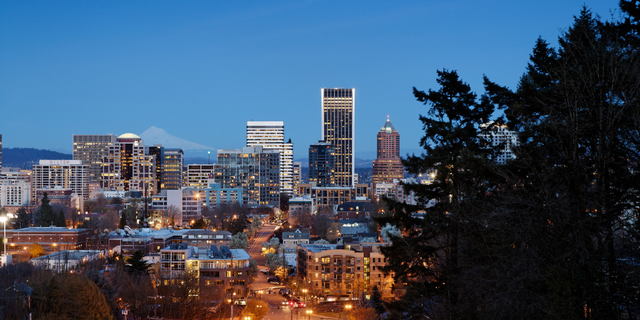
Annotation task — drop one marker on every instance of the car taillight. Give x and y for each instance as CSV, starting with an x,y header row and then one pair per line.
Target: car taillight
x,y
291,303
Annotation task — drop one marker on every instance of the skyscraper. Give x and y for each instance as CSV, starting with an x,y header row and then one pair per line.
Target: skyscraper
x,y
0,151
338,128
91,149
172,169
270,135
387,165
127,167
322,162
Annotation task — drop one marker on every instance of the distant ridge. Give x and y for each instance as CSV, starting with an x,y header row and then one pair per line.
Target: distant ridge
x,y
25,158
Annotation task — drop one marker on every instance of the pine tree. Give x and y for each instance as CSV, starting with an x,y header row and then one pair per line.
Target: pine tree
x,y
376,300
123,220
60,219
136,264
47,216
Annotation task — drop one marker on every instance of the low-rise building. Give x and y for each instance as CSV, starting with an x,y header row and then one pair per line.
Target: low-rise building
x,y
302,205
184,206
355,210
343,270
225,268
290,240
50,238
66,260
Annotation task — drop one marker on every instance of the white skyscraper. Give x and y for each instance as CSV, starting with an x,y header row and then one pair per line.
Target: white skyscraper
x,y
338,128
501,135
270,135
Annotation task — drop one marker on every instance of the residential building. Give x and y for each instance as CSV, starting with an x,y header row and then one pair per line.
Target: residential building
x,y
270,135
338,129
152,241
91,149
290,240
254,170
59,195
346,270
181,206
333,196
404,196
501,136
173,160
387,165
216,195
355,210
297,175
71,174
322,164
198,175
66,260
302,205
227,269
127,167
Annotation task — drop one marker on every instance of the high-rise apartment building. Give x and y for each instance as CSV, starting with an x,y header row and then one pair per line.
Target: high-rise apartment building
x,y
501,136
127,167
172,169
338,128
255,170
322,162
62,174
297,174
92,148
388,165
197,175
270,135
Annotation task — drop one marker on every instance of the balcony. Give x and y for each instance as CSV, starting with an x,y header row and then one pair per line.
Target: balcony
x,y
338,263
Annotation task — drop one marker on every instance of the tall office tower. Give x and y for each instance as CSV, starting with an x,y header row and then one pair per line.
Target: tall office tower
x,y
388,165
127,167
62,174
92,148
297,174
172,169
0,151
501,136
158,152
270,135
322,161
197,175
255,170
338,128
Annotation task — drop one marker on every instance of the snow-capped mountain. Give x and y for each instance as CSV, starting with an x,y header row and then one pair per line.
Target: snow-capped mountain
x,y
155,135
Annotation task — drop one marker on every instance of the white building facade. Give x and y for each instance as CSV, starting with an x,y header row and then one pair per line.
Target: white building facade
x,y
68,174
270,135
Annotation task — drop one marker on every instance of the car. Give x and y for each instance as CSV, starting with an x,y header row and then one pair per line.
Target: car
x,y
274,281
283,292
265,271
295,303
285,302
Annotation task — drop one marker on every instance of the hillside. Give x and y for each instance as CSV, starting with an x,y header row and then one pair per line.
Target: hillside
x,y
25,158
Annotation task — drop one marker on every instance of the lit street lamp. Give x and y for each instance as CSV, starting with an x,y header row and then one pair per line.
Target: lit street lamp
x,y
4,237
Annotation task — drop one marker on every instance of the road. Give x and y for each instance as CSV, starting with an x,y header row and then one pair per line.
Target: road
x,y
277,309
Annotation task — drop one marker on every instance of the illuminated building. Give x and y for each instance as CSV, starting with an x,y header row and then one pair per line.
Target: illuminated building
x,y
322,162
501,136
172,162
253,169
387,165
92,148
127,167
66,174
338,129
270,135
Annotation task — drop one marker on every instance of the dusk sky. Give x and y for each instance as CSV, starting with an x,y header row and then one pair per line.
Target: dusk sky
x,y
200,70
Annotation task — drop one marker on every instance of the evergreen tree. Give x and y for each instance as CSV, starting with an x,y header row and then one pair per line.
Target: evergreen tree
x,y
60,219
199,224
47,216
136,264
123,220
376,300
24,218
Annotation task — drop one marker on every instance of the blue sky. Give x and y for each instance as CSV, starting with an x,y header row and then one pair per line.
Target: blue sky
x,y
201,69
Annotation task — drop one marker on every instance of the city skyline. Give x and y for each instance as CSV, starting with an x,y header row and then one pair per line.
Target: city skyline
x,y
190,67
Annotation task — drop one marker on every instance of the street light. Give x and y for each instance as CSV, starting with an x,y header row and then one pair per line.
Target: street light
x,y
4,237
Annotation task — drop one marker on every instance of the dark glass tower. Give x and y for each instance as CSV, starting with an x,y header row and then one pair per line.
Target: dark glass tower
x,y
322,162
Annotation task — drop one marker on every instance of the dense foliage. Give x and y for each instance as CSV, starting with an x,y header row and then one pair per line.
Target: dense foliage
x,y
551,234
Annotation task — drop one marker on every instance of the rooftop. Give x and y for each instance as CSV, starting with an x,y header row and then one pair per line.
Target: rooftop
x,y
69,255
388,127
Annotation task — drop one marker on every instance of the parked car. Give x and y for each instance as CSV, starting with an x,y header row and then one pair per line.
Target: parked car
x,y
265,271
273,280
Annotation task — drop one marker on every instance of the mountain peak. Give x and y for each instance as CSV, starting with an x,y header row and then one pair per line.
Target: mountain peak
x,y
155,135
